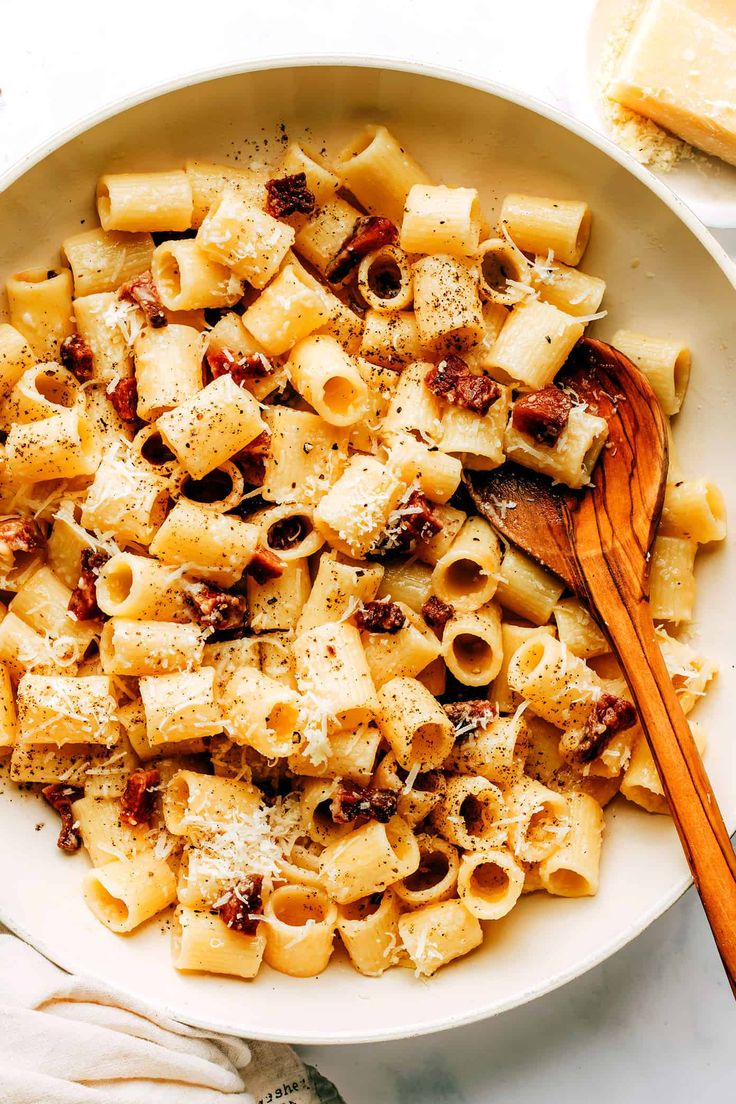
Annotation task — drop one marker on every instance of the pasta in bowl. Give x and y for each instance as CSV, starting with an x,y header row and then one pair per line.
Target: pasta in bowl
x,y
259,653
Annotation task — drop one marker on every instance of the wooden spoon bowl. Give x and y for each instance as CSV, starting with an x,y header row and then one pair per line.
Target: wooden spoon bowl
x,y
598,541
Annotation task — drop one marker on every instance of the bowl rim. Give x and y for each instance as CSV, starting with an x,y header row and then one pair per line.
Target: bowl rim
x,y
412,67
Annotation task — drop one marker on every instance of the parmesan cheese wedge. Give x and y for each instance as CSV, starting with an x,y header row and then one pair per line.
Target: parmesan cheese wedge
x,y
679,69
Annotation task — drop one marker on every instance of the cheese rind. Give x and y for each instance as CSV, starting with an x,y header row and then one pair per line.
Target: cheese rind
x,y
679,70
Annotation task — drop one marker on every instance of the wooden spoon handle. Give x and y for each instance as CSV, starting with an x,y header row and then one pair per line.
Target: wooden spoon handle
x,y
692,802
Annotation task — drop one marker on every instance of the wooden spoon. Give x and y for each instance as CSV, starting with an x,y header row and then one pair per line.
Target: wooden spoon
x,y
598,541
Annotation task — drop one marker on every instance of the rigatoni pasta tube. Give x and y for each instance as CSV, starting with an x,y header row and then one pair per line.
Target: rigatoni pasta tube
x,y
180,706
354,512
538,820
288,530
447,307
391,338
125,500
535,342
66,710
306,456
672,579
413,407
60,447
512,636
43,603
249,241
436,474
527,589
323,373
407,582
202,942
664,362
300,930
385,279
100,319
539,223
123,894
414,724
138,587
276,604
573,870
322,182
41,392
208,429
496,751
40,307
261,713
501,263
331,667
105,836
145,201
573,291
16,357
472,813
168,368
436,934
401,654
195,804
379,172
578,631
370,933
209,180
694,509
215,546
477,440
8,713
472,645
135,648
335,588
101,261
466,577
369,860
560,687
490,882
438,219
187,279
289,309
436,878
572,457
321,237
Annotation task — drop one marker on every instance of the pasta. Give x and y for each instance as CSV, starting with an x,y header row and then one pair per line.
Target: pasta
x,y
289,687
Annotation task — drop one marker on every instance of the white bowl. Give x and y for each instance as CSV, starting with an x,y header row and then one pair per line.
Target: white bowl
x,y
665,274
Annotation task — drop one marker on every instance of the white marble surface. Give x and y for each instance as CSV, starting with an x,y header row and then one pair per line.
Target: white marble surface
x,y
657,1019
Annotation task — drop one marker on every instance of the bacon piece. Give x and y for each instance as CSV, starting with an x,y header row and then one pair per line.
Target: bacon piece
x,y
253,468
543,414
468,716
609,716
242,908
289,195
380,617
142,291
352,802
60,797
214,608
83,602
453,381
369,232
287,533
254,366
20,534
76,355
437,613
137,804
124,397
265,565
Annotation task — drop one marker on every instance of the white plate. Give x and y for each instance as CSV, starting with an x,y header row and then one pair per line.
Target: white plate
x,y
707,185
665,274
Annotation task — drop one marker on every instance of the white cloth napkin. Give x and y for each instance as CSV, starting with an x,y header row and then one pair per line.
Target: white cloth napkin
x,y
73,1040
